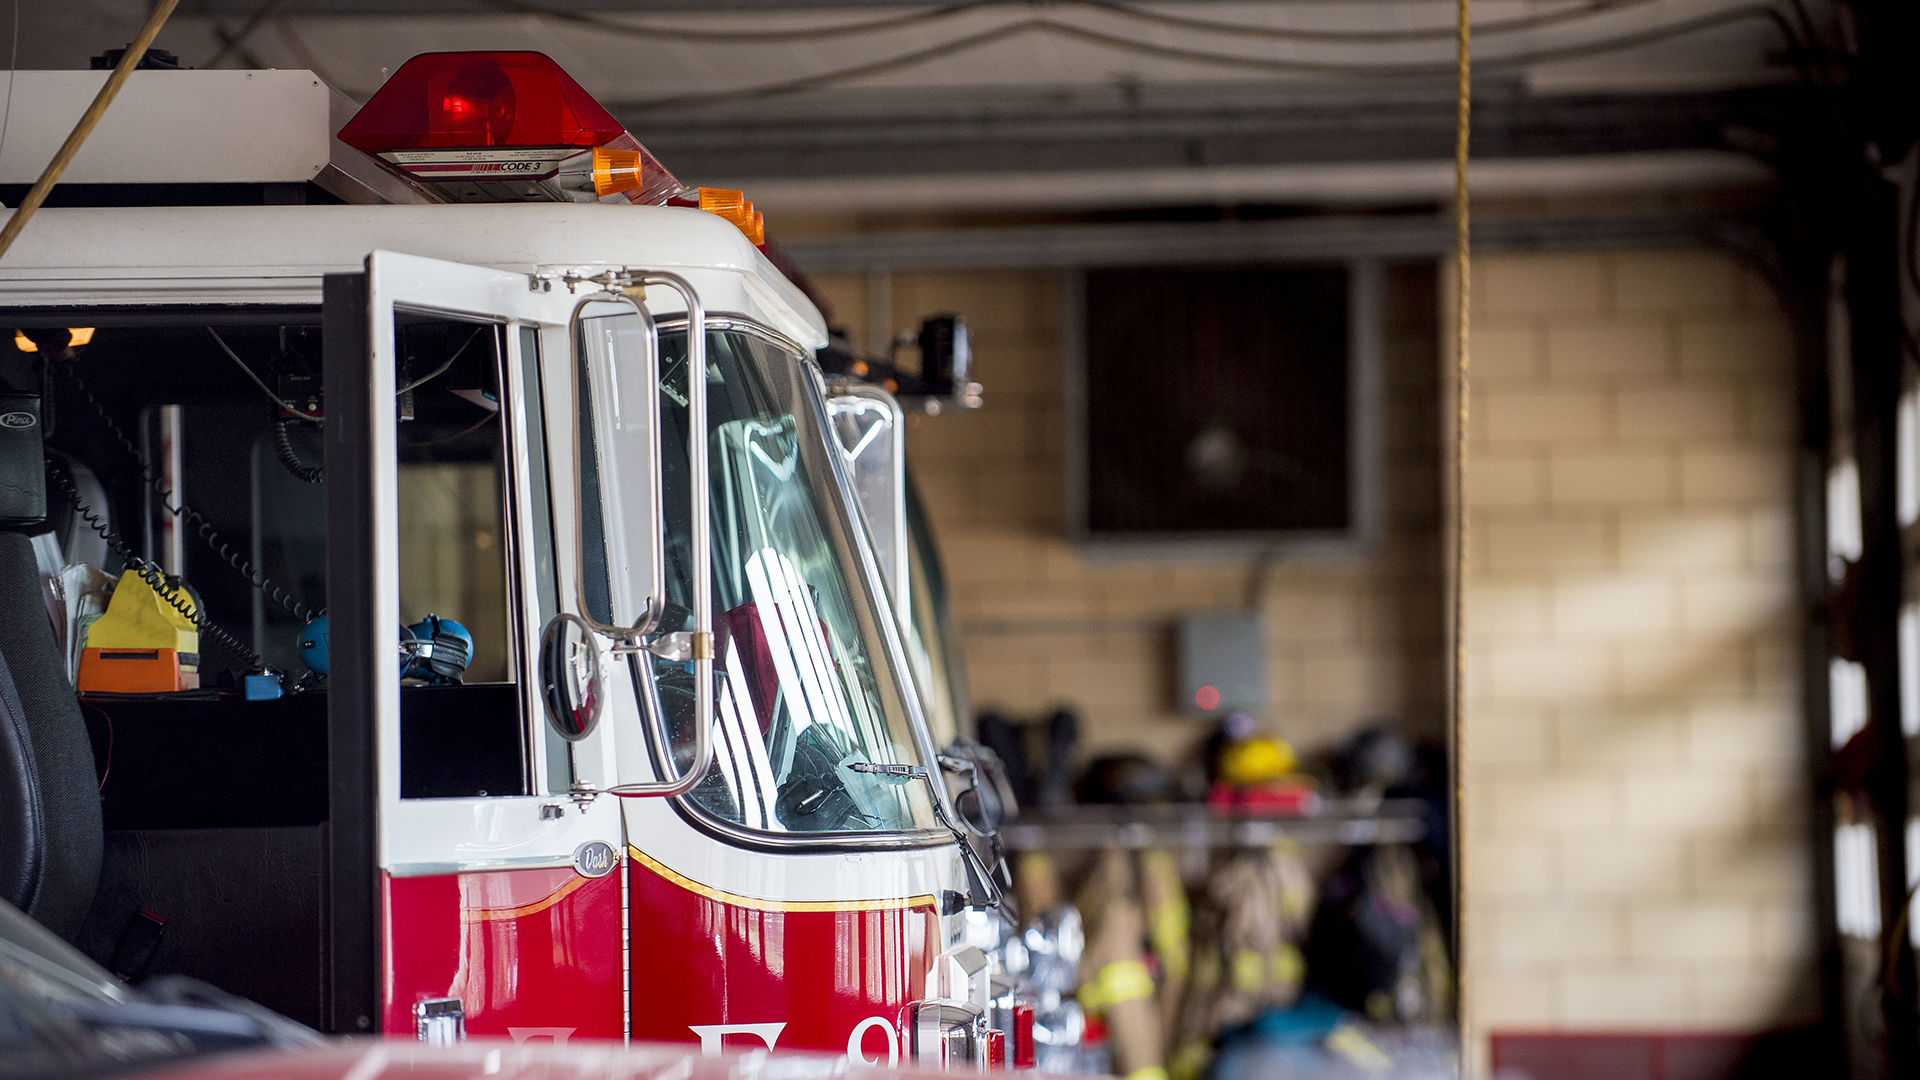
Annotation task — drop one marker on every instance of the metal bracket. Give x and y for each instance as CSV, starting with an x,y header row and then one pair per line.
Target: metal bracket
x,y
677,647
608,279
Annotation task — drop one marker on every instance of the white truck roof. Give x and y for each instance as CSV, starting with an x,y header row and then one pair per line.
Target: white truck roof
x,y
209,127
277,254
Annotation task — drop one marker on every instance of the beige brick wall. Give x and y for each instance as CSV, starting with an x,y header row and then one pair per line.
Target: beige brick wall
x,y
1636,855
1636,840
1046,626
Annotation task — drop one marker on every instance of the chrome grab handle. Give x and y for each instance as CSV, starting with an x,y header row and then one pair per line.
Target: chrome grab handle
x,y
700,494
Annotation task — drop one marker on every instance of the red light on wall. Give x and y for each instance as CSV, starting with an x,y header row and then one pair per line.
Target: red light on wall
x,y
1207,698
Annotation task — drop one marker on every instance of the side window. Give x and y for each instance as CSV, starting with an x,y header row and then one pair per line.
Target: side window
x,y
545,594
597,595
463,718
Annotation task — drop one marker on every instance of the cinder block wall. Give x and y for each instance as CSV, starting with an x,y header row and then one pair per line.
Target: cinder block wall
x,y
1636,838
1637,855
1348,640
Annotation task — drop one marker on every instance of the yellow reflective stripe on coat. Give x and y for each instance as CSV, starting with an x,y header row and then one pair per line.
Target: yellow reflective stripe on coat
x,y
1289,967
1123,980
1249,972
1346,1040
1172,926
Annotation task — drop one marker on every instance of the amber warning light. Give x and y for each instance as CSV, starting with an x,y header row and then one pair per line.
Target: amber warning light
x,y
504,126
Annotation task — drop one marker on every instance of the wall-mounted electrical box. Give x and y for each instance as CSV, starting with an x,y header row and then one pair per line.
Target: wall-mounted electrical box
x,y
1223,663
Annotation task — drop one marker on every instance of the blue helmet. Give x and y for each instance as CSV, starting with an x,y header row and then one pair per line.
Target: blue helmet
x,y
313,646
442,649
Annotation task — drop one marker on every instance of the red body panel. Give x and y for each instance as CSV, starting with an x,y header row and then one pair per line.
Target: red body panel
x,y
701,959
521,949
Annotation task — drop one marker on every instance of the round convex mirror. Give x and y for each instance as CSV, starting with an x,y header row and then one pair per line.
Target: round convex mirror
x,y
570,677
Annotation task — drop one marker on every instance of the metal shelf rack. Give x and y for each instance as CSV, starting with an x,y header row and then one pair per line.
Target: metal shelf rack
x,y
1354,822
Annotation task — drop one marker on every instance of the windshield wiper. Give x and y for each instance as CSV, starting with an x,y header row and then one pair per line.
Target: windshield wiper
x,y
900,772
982,891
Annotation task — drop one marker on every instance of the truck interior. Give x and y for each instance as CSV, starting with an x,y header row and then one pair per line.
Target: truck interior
x,y
213,801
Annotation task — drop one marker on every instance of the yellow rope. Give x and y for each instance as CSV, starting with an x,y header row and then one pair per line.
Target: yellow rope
x,y
1457,695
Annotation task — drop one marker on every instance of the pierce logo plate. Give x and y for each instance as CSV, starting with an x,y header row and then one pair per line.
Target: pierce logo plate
x,y
595,858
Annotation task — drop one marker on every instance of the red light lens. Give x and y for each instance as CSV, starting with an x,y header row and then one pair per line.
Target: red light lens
x,y
471,100
479,101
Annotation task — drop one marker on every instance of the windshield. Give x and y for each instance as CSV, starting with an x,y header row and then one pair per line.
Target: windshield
x,y
802,692
930,640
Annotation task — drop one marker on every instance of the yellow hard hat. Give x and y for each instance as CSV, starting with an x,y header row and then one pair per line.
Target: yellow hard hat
x,y
1256,760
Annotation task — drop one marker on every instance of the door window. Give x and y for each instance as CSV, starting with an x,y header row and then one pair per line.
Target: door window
x,y
463,719
461,711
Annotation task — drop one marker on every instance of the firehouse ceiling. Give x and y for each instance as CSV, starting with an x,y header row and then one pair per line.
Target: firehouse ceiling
x,y
1078,103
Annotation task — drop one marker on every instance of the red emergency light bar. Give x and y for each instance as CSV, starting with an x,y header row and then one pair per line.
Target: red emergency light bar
x,y
504,126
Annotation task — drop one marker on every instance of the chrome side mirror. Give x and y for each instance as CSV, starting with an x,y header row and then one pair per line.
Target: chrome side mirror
x,y
570,677
984,797
640,410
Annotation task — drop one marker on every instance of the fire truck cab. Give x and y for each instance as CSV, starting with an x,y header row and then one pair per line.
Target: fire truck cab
x,y
473,627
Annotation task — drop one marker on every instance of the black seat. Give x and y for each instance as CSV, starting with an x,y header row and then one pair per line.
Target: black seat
x,y
50,828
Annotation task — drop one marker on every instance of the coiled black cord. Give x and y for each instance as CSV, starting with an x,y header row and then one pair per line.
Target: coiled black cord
x,y
186,513
173,594
283,446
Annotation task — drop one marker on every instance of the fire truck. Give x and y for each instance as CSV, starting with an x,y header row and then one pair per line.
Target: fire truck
x,y
437,510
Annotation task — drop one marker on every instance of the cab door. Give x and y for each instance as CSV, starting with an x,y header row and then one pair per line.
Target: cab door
x,y
497,894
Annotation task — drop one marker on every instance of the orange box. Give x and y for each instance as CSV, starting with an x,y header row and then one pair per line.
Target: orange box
x,y
134,671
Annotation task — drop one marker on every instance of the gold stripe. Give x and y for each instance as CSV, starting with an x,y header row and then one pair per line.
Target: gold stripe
x,y
703,646
758,904
495,914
